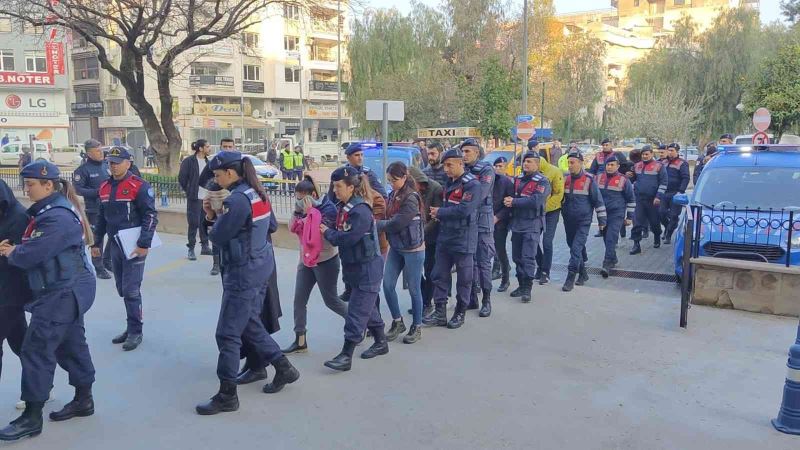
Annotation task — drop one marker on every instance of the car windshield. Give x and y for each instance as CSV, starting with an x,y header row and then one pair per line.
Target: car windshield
x,y
256,161
754,187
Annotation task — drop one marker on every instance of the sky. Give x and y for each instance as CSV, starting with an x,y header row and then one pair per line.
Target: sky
x,y
770,9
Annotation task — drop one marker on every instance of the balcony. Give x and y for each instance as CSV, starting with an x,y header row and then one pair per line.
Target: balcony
x,y
324,27
87,109
211,81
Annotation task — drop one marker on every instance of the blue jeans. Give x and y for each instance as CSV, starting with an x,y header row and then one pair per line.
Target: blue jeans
x,y
412,264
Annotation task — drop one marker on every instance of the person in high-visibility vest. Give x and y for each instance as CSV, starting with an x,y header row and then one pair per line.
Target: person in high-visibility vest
x,y
298,162
287,163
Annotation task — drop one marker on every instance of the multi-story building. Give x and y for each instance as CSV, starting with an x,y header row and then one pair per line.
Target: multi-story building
x,y
33,83
248,87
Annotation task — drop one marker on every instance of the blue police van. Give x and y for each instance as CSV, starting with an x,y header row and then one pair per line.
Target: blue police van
x,y
373,157
745,198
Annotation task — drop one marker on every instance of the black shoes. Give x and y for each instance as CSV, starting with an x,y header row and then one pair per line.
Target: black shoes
x,y
205,250
380,347
397,328
545,278
344,359
458,319
656,241
668,239
473,298
526,291
190,255
80,406
486,304
569,283
538,275
285,373
120,339
214,270
414,334
102,273
438,318
606,270
496,273
504,284
300,345
132,342
251,376
519,290
226,400
637,248
29,424
583,277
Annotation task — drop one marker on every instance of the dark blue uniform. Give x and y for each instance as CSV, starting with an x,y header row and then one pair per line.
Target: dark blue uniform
x,y
356,235
374,182
87,180
620,203
581,198
482,270
127,203
650,182
247,262
599,163
677,181
53,256
458,239
527,222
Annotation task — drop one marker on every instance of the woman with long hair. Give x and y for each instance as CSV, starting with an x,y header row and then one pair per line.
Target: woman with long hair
x,y
61,278
246,259
356,235
404,228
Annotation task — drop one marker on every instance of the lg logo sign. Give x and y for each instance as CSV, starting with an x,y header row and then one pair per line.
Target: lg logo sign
x,y
13,101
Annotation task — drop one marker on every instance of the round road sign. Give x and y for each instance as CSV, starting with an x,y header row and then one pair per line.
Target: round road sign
x,y
760,138
525,130
762,119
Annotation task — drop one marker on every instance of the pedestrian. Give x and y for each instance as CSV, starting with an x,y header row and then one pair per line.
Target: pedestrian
x,y
457,241
677,182
241,233
431,193
126,201
650,183
617,192
299,162
435,169
319,260
404,227
286,160
52,253
216,195
356,236
726,139
25,158
272,153
711,150
544,252
189,180
482,271
555,152
531,191
14,290
87,180
581,198
5,140
503,187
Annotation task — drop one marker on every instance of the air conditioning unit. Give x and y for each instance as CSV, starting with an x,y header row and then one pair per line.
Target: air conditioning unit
x,y
256,114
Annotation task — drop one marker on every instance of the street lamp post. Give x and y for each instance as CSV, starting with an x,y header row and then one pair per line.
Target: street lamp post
x,y
525,57
338,75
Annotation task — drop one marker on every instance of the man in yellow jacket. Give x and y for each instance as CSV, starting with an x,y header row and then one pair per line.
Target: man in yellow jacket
x,y
544,254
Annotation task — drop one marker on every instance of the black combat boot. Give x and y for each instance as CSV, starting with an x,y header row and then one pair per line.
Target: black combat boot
x,y
637,248
344,359
215,265
656,241
606,270
80,406
496,272
226,400
380,347
132,342
458,318
583,277
504,284
518,291
29,424
285,373
526,294
544,279
569,283
438,318
486,304
119,339
205,250
300,345
398,327
100,271
473,297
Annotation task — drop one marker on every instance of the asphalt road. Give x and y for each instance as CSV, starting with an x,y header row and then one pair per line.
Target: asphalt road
x,y
604,367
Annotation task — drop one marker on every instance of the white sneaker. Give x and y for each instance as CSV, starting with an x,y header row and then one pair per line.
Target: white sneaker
x,y
21,404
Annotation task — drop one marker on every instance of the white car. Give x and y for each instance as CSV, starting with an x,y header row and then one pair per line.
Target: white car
x,y
10,153
746,139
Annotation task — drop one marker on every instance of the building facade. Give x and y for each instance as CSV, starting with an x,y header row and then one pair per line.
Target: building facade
x,y
34,86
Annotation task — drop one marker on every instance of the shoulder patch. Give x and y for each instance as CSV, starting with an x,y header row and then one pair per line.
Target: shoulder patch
x,y
468,176
77,177
365,169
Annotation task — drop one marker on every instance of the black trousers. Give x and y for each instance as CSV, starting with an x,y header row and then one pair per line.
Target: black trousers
x,y
194,215
427,275
12,327
501,252
105,252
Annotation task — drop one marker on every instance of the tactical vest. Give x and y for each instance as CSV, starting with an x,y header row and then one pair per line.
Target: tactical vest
x,y
412,236
367,247
59,271
251,241
531,187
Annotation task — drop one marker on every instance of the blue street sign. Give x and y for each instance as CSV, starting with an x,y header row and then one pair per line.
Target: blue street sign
x,y
524,118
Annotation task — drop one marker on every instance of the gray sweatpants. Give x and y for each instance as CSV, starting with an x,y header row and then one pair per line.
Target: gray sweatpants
x,y
326,276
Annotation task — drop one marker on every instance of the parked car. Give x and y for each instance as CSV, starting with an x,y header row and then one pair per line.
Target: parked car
x,y
745,197
10,153
266,172
691,153
747,139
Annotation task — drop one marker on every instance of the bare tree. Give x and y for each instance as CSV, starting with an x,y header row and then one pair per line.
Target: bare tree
x,y
663,115
152,37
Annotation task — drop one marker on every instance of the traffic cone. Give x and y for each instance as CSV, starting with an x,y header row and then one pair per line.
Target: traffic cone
x,y
788,420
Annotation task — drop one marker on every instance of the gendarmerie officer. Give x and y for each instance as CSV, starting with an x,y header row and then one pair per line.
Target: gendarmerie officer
x,y
61,278
246,262
87,180
531,190
581,198
503,187
617,192
126,201
356,235
649,183
457,241
482,272
677,181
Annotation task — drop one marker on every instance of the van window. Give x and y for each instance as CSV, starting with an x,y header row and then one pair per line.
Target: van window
x,y
11,148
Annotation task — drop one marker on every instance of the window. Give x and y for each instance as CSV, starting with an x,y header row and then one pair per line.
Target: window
x,y
291,43
35,62
32,29
250,39
87,95
291,12
6,60
86,68
636,3
78,41
292,75
680,2
252,73
115,107
204,69
5,24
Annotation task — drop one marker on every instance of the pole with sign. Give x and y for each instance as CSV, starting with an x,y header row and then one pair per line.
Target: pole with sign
x,y
385,111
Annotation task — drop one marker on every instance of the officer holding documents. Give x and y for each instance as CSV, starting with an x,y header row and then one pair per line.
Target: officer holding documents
x,y
127,202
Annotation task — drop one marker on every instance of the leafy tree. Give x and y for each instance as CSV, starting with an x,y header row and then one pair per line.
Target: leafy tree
x,y
660,115
777,87
791,10
489,103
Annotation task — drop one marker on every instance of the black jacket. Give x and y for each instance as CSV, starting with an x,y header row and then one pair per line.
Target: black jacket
x,y
503,187
189,176
14,290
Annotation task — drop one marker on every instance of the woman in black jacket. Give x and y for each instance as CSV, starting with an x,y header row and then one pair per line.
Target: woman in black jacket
x,y
14,290
404,229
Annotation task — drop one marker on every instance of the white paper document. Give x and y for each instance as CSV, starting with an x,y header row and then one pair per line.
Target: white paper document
x,y
128,237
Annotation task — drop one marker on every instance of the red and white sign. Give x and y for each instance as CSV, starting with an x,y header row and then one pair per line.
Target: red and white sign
x,y
13,101
760,138
26,79
55,57
525,130
761,119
